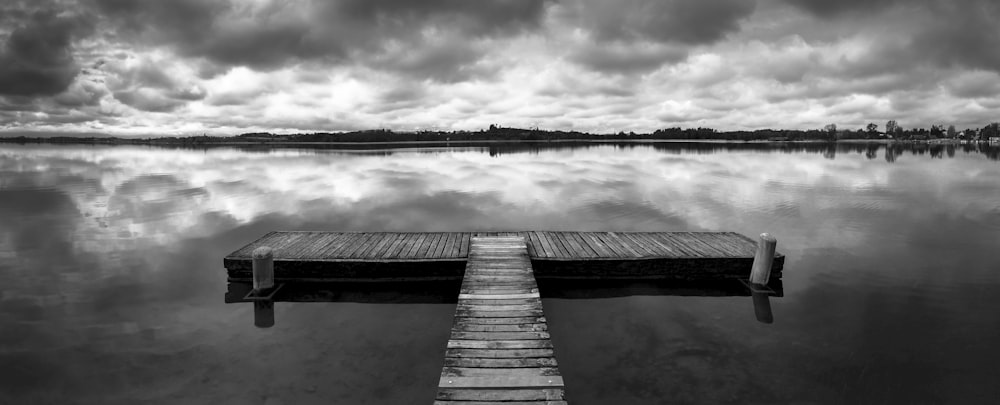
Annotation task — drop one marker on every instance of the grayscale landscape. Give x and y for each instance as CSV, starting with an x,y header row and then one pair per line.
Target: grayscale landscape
x,y
484,202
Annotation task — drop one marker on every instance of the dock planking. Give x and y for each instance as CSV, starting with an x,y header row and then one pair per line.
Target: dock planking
x,y
499,349
427,255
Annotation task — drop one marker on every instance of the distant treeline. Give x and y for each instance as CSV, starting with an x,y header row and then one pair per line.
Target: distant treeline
x,y
500,134
889,151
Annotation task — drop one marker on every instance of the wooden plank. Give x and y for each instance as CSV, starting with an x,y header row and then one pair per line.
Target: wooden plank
x,y
426,251
500,344
563,248
549,394
488,276
609,244
498,281
319,241
580,240
501,381
395,251
733,245
557,249
281,242
662,249
575,249
486,336
535,247
312,241
247,251
497,288
532,250
464,249
669,240
524,327
496,274
501,321
597,245
509,301
640,244
707,249
334,249
500,403
375,247
379,248
429,245
723,247
443,247
293,243
436,252
497,269
503,371
417,244
520,287
392,246
624,244
364,251
337,250
539,238
456,245
498,296
498,363
523,307
308,243
499,314
332,246
360,243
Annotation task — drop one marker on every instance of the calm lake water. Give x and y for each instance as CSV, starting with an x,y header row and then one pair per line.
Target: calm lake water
x,y
112,279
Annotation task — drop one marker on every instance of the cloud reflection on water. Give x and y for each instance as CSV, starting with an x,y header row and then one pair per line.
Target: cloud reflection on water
x,y
113,255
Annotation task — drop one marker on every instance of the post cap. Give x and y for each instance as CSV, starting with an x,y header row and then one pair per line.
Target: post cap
x,y
767,237
263,252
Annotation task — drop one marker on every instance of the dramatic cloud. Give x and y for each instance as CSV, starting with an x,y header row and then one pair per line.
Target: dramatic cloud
x,y
226,66
35,58
683,21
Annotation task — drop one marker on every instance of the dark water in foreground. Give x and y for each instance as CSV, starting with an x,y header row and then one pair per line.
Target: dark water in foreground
x,y
111,279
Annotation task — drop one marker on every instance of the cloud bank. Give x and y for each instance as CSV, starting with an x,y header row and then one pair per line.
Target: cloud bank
x,y
225,66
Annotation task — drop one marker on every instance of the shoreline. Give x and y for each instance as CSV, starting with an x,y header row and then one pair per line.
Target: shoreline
x,y
189,143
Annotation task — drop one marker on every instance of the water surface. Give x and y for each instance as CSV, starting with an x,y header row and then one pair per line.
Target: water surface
x,y
111,261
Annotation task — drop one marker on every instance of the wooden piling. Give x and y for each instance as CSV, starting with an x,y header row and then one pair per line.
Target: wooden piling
x,y
762,307
263,314
762,259
263,268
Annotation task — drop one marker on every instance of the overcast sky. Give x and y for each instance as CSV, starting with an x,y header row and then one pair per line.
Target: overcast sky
x,y
227,66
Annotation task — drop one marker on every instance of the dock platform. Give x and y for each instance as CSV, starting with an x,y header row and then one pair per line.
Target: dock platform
x,y
499,348
319,256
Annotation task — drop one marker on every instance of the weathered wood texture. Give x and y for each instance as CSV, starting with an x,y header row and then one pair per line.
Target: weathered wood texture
x,y
324,255
499,349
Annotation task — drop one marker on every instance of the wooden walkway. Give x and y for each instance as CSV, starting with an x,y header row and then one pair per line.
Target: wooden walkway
x,y
396,246
309,255
499,349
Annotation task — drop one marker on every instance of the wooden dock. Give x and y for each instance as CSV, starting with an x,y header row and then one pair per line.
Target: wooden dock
x,y
317,256
499,348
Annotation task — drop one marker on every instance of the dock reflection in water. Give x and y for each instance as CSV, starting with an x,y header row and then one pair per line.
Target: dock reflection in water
x,y
446,292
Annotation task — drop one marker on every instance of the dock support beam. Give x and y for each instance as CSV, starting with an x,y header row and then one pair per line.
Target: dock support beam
x,y
762,259
263,269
